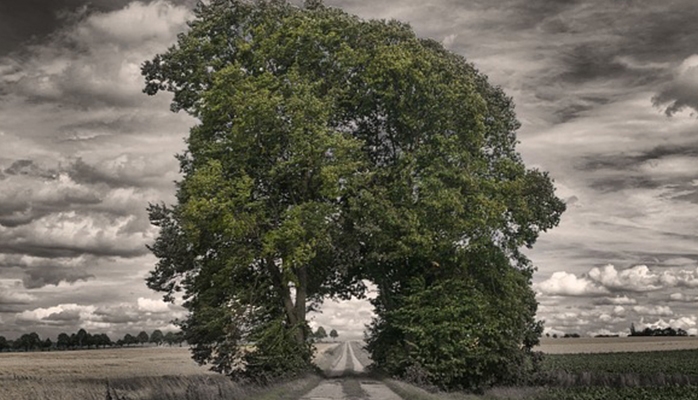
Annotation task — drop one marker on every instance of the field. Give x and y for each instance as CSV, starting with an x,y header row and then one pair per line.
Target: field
x,y
620,368
615,345
573,369
129,373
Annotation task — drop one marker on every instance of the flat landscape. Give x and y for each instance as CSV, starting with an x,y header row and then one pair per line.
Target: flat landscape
x,y
649,365
616,344
159,373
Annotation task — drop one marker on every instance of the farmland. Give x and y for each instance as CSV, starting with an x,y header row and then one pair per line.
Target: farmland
x,y
615,344
620,368
150,373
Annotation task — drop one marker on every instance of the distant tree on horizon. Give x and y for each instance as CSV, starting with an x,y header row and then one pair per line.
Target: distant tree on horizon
x,y
80,337
334,334
157,337
62,341
320,333
142,337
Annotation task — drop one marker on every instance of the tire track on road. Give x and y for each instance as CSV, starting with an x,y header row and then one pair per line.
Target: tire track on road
x,y
349,387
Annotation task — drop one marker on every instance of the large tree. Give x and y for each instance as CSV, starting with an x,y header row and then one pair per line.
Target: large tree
x,y
332,149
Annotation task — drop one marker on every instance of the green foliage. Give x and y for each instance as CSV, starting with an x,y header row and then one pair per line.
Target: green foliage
x,y
277,354
334,334
457,334
332,149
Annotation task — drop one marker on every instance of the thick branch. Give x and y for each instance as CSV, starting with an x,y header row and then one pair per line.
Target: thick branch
x,y
283,289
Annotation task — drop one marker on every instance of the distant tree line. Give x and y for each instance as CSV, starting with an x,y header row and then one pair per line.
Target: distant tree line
x,y
668,331
84,340
321,334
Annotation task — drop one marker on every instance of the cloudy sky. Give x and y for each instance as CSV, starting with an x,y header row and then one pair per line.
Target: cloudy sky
x,y
606,91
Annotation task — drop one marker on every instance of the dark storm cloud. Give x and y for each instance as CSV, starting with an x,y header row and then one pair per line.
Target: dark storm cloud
x,y
624,161
27,167
25,20
590,61
100,249
681,93
39,277
618,183
135,171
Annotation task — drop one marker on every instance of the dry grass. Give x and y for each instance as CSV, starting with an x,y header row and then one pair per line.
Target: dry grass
x,y
615,345
126,374
326,354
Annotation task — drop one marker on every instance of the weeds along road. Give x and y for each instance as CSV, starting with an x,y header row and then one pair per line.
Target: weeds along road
x,y
346,381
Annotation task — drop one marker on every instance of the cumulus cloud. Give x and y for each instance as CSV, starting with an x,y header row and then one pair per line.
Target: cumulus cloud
x,y
96,62
662,311
40,277
562,283
687,323
619,300
682,297
27,198
62,314
71,234
144,314
608,279
152,306
11,293
636,279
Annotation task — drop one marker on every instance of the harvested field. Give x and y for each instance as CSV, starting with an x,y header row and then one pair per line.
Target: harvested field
x,y
615,345
130,373
98,364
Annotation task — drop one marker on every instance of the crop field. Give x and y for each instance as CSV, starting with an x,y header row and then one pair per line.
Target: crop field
x,y
660,374
150,373
615,345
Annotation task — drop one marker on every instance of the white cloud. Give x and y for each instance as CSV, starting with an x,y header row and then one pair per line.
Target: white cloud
x,y
70,232
12,292
687,323
152,306
562,283
636,279
448,40
57,313
663,311
621,300
606,332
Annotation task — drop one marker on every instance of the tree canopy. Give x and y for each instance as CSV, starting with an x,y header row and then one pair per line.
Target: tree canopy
x,y
330,150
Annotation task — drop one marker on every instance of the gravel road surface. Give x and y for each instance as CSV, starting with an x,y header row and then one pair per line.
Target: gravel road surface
x,y
346,382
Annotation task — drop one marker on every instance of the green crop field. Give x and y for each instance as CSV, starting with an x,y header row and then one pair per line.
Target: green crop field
x,y
623,376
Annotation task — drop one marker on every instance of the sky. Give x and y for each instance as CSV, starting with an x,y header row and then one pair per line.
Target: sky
x,y
607,94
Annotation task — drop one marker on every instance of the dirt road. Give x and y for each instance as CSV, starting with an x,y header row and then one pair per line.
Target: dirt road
x,y
345,381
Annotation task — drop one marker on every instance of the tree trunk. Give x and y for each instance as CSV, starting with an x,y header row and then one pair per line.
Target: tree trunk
x,y
284,291
301,298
